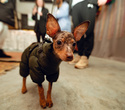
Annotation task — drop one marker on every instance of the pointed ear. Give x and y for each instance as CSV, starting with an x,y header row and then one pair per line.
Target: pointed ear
x,y
80,30
52,26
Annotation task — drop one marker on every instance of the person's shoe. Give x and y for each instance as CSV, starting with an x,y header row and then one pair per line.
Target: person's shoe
x,y
3,55
75,60
82,63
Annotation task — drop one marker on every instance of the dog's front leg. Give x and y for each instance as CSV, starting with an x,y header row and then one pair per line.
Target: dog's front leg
x,y
49,100
24,89
41,96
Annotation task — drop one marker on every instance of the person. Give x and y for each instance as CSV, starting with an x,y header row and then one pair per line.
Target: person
x,y
61,13
82,10
39,14
3,35
7,8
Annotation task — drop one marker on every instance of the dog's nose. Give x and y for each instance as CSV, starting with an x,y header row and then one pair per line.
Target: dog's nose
x,y
69,56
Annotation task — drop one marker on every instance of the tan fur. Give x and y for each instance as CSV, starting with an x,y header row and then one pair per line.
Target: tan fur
x,y
24,89
41,96
49,100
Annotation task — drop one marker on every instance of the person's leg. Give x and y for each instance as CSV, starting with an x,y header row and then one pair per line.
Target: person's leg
x,y
84,50
85,45
89,44
81,46
3,35
43,36
76,22
38,36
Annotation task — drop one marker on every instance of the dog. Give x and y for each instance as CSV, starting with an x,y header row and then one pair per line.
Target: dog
x,y
40,59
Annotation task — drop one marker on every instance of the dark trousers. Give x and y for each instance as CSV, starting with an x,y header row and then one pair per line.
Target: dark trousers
x,y
38,36
81,13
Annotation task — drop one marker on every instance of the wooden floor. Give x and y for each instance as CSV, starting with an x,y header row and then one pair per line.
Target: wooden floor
x,y
6,64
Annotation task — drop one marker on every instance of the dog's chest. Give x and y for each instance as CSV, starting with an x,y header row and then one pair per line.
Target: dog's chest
x,y
48,60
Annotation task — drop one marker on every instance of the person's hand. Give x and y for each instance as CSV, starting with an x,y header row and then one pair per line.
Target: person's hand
x,y
40,13
101,2
34,10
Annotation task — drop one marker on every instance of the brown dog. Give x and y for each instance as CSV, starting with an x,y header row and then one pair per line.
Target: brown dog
x,y
41,59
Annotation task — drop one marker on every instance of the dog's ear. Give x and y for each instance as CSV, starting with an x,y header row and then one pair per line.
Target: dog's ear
x,y
80,30
52,26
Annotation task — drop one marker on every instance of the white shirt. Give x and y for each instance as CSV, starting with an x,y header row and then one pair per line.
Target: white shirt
x,y
74,2
39,10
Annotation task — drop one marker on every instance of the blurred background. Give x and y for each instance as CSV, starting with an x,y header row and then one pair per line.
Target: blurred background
x,y
109,28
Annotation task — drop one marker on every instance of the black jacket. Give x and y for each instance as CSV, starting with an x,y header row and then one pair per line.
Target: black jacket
x,y
40,25
7,12
39,60
94,2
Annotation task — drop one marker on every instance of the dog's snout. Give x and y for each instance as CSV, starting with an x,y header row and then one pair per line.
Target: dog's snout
x,y
69,56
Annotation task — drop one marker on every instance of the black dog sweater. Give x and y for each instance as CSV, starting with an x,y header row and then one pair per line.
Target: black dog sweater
x,y
39,60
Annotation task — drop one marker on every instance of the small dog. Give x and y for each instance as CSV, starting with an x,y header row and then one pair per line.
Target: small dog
x,y
41,59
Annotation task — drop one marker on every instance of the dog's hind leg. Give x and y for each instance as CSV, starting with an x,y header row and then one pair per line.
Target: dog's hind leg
x,y
41,96
24,89
49,100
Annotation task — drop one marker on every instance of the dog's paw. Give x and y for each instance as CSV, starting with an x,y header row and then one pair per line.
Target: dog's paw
x,y
43,103
24,90
49,103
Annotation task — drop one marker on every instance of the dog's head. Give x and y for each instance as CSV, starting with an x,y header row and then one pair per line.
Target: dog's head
x,y
64,42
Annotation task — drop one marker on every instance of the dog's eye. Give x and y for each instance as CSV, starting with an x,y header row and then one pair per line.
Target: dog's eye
x,y
74,44
59,42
